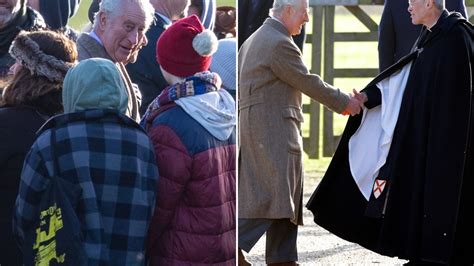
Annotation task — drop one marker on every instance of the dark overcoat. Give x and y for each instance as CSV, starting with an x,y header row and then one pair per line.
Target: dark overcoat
x,y
18,131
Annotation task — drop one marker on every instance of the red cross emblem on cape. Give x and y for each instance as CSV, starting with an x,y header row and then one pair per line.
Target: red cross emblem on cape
x,y
379,186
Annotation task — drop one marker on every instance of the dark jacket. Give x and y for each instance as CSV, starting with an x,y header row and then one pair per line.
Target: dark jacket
x,y
424,210
56,14
27,19
145,72
18,131
397,34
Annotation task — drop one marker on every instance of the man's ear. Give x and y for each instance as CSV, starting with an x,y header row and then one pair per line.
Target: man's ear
x,y
429,3
102,20
289,9
144,40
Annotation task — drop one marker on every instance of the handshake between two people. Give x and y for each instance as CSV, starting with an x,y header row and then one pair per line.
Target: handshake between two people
x,y
356,103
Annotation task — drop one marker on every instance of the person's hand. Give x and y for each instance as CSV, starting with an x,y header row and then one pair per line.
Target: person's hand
x,y
356,103
361,96
354,106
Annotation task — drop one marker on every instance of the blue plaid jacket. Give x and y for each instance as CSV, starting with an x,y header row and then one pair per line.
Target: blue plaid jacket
x,y
113,161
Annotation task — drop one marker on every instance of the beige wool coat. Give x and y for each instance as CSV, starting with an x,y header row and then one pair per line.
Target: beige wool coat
x,y
272,78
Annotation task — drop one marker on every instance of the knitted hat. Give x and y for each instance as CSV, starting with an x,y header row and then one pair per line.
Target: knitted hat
x,y
223,62
186,48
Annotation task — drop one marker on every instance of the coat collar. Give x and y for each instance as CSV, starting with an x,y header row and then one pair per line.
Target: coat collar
x,y
277,25
97,115
92,47
444,24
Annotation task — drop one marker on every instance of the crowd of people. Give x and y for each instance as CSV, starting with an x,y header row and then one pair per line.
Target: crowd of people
x,y
129,122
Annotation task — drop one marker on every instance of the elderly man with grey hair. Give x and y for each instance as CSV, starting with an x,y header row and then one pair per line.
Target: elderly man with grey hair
x,y
272,78
401,180
118,33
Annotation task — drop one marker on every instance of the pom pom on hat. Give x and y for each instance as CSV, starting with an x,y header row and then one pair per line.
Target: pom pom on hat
x,y
205,43
186,48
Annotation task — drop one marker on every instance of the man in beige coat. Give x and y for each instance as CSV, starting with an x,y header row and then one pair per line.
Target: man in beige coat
x,y
272,78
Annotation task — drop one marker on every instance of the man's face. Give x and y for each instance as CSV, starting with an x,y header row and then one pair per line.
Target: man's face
x,y
8,10
418,11
123,33
296,17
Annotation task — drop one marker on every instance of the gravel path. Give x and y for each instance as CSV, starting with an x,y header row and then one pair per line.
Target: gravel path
x,y
316,246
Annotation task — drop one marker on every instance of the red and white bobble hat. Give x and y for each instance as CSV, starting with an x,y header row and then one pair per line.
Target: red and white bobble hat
x,y
186,47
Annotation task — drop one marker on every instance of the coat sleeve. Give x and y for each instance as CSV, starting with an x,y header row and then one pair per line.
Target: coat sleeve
x,y
174,164
34,180
374,96
386,44
288,66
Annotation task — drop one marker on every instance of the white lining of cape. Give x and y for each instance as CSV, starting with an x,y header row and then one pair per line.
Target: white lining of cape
x,y
370,144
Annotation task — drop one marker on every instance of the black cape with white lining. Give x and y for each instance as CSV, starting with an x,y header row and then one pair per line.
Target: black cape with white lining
x,y
424,212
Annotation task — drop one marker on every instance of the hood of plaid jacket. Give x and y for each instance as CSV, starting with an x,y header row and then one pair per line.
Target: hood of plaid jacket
x,y
94,83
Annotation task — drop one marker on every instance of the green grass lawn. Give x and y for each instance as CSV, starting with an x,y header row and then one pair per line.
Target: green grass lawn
x,y
226,3
80,19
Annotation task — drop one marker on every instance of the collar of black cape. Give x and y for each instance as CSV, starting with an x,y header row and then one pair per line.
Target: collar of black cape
x,y
447,20
445,23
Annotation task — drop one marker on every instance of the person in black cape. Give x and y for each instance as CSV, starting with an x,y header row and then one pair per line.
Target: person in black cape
x,y
422,214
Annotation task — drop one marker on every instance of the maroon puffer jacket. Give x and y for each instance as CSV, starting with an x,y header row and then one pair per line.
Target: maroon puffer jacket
x,y
194,220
